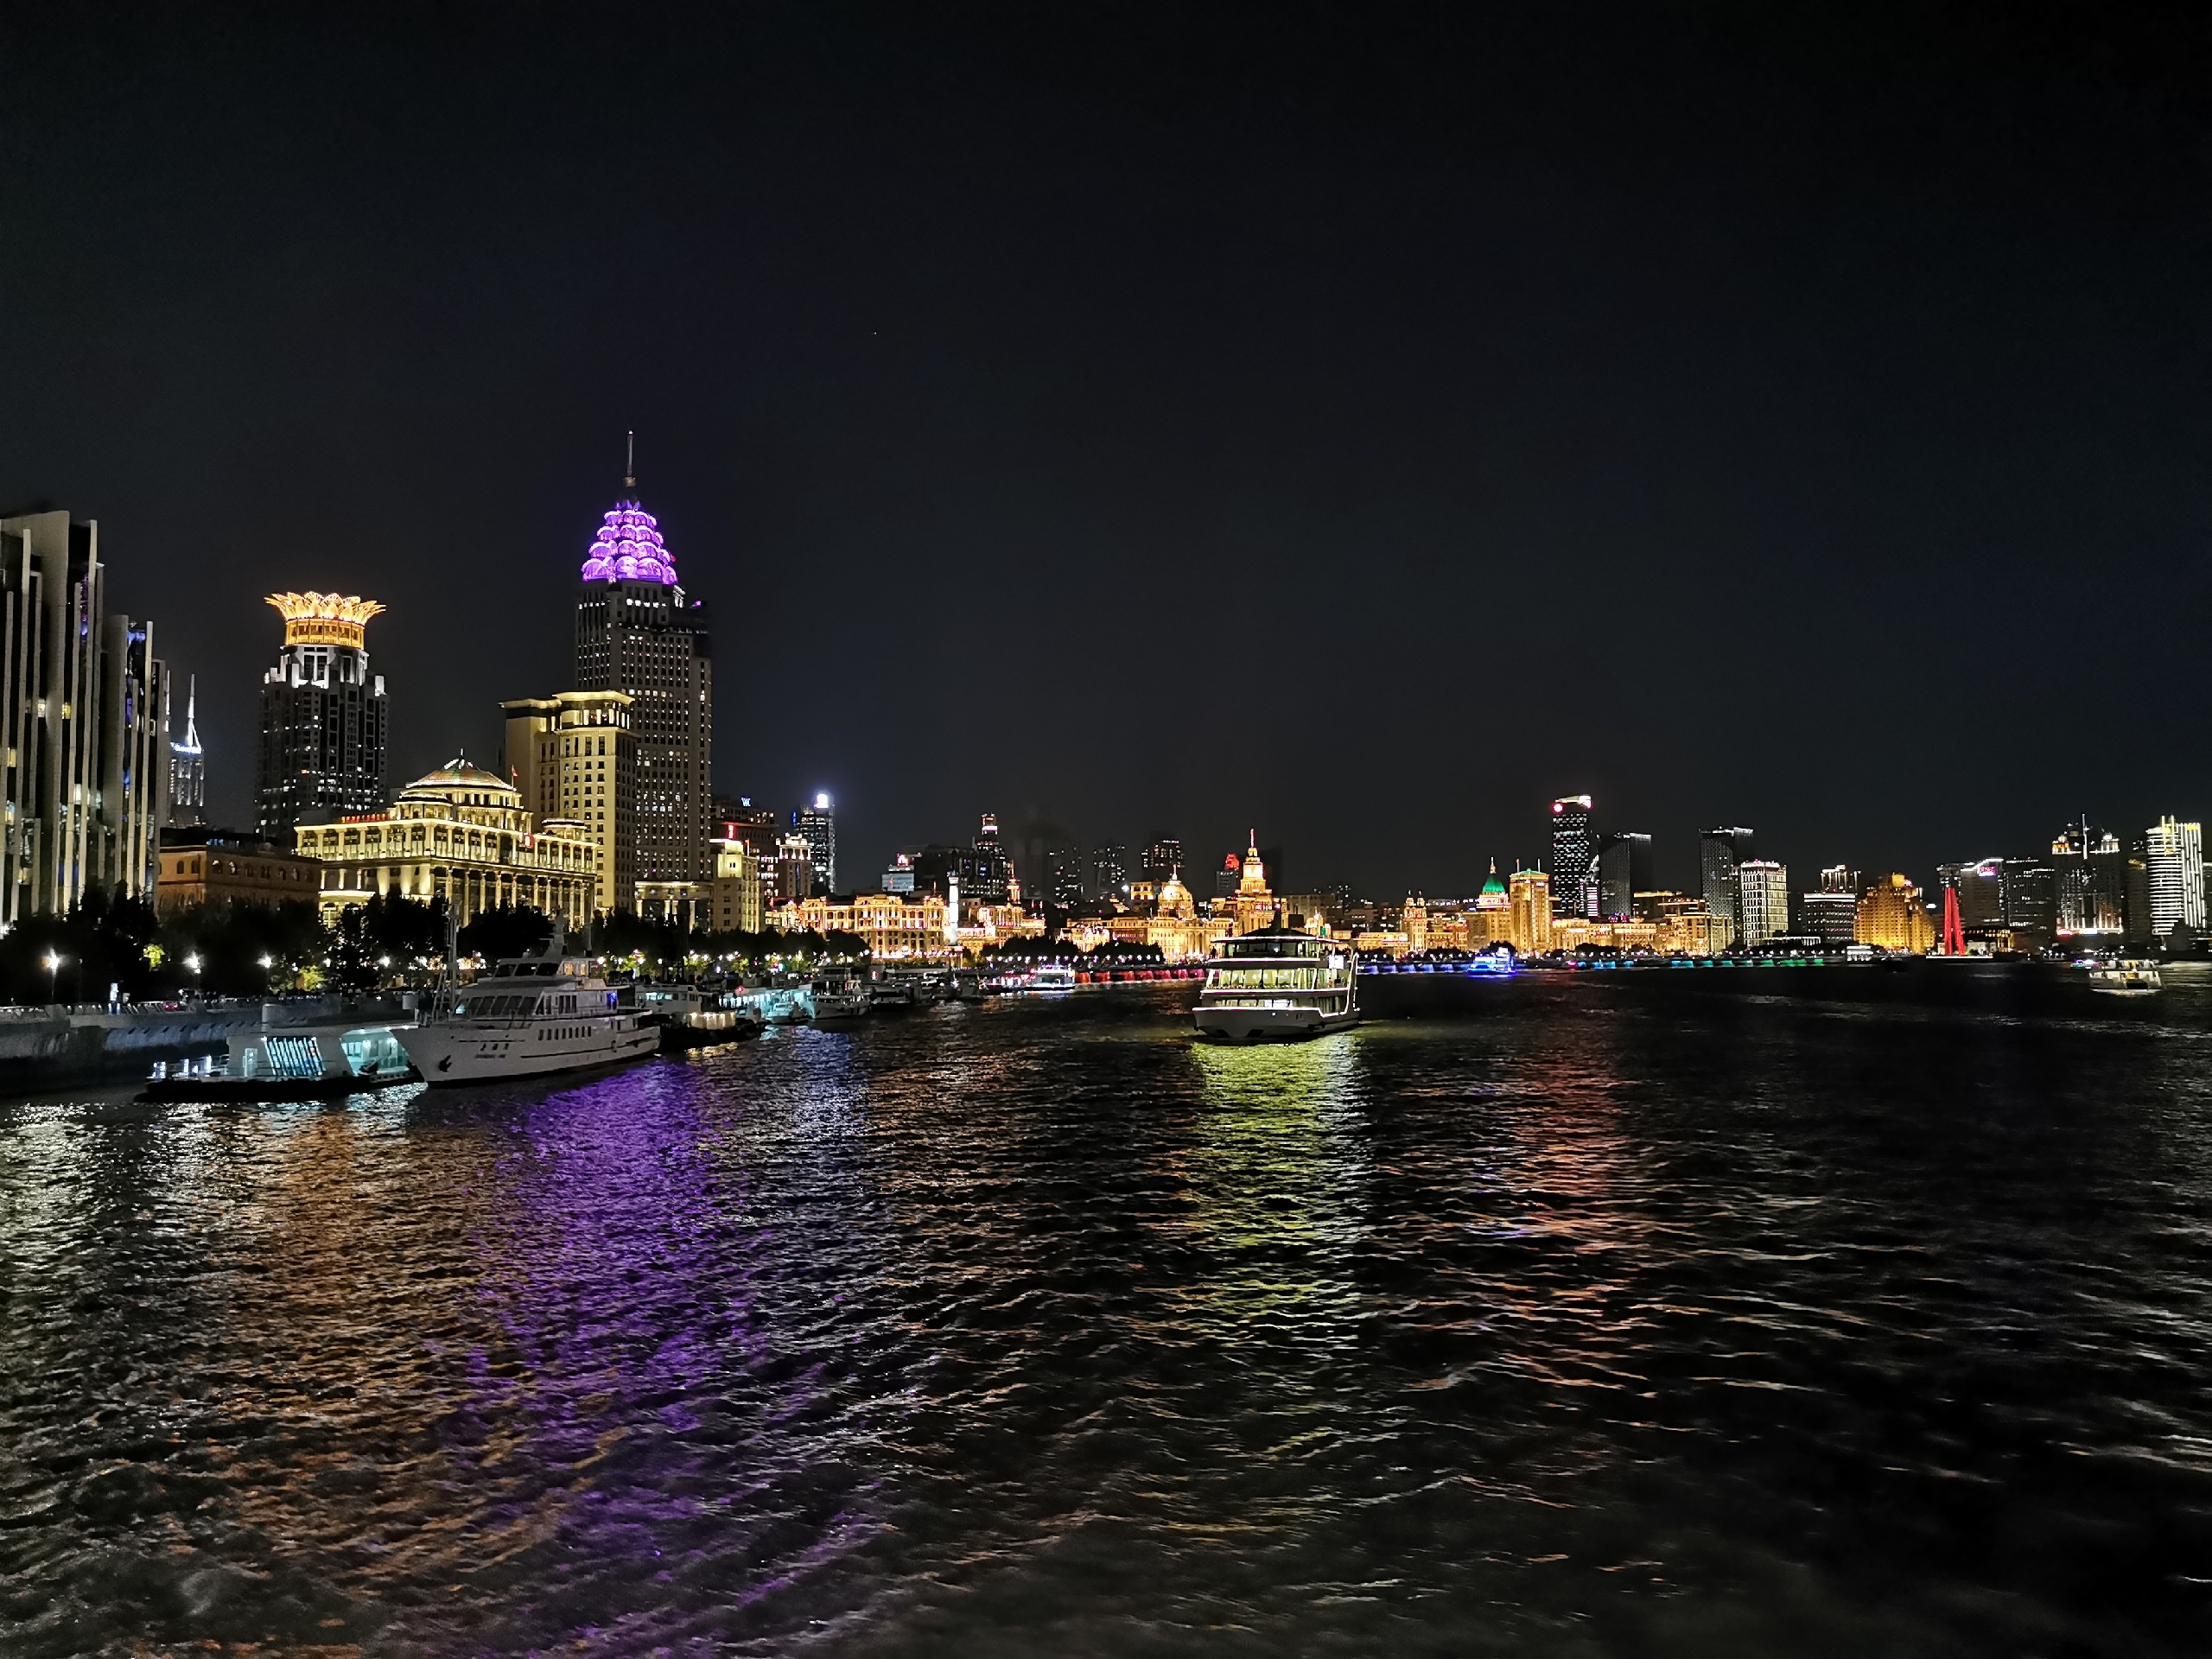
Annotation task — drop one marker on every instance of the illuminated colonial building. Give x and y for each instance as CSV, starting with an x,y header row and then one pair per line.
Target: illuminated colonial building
x,y
1175,924
1892,914
1492,921
323,722
84,718
892,926
570,757
1413,922
636,633
1253,905
1530,901
462,834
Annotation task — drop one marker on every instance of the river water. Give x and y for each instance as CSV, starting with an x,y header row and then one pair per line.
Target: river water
x,y
1574,1323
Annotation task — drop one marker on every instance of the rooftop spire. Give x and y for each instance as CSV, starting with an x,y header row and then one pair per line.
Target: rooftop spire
x,y
630,466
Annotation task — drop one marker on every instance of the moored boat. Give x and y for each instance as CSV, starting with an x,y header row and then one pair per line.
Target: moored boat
x,y
530,1016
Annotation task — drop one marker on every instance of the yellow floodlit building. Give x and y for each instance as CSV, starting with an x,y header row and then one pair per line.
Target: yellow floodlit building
x,y
891,924
1529,906
1254,906
460,834
1892,915
569,757
1175,925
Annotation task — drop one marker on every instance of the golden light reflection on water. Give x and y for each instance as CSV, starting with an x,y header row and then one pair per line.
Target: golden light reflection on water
x,y
1276,1176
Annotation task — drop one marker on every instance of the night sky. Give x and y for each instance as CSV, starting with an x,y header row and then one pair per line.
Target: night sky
x,y
1362,424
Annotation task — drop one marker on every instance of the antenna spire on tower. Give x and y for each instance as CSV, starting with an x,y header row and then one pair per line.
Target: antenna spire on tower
x,y
629,466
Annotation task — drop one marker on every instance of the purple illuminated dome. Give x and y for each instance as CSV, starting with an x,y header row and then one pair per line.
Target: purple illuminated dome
x,y
629,549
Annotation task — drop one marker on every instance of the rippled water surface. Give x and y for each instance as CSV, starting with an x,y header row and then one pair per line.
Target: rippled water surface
x,y
1574,1323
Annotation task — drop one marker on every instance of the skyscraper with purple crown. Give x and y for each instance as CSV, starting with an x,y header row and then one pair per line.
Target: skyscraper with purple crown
x,y
635,632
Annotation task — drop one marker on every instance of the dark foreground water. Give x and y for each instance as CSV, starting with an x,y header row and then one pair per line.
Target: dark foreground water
x,y
1582,1323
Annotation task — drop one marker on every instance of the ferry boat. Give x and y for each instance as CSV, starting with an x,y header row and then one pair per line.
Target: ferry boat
x,y
530,1016
1277,984
2124,978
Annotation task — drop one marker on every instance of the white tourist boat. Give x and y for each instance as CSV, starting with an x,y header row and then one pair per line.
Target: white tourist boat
x,y
1279,984
530,1016
2124,978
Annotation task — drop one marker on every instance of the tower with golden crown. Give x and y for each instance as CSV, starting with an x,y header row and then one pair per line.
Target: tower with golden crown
x,y
323,721
1255,903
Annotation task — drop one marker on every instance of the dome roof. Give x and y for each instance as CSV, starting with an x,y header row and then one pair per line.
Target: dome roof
x,y
460,773
628,548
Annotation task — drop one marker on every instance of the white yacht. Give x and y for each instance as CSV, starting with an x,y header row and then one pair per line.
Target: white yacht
x,y
529,1016
1277,984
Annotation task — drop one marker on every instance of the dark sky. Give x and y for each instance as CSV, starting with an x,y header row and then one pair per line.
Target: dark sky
x,y
1363,423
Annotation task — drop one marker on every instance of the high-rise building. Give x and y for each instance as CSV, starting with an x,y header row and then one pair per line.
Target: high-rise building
x,y
1226,878
1894,916
987,875
2029,894
1980,884
1829,915
2092,879
570,757
85,705
790,876
2174,859
899,874
188,767
1529,903
1623,871
323,719
637,632
1762,901
1718,853
1109,870
817,824
1574,870
1163,860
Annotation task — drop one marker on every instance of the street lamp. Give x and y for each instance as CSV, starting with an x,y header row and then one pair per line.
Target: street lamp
x,y
54,976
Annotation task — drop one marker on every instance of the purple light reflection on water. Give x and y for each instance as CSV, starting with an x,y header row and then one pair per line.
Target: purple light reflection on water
x,y
666,1431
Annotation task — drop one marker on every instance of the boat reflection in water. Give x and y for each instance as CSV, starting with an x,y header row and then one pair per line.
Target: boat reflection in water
x,y
1277,1176
1277,984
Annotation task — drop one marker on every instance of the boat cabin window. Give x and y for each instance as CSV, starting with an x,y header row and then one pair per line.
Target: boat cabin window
x,y
1250,946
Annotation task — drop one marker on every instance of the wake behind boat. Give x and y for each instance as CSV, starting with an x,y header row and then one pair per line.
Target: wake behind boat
x,y
530,1016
